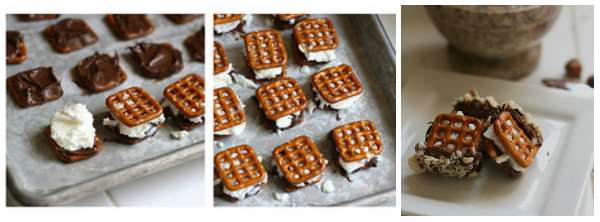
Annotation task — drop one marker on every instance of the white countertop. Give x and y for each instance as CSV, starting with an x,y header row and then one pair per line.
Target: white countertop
x,y
572,36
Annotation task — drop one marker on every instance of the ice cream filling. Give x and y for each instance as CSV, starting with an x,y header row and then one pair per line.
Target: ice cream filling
x,y
226,27
342,104
139,131
235,130
490,134
350,167
269,73
72,128
223,79
286,121
318,56
315,179
175,111
246,191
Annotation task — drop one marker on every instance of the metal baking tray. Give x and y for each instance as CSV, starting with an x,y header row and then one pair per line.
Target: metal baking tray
x,y
35,175
363,45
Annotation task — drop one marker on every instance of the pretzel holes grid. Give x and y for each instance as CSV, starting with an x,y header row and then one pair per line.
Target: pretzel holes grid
x,y
265,49
355,140
337,83
188,95
299,160
281,97
515,134
134,106
316,34
239,167
452,132
228,109
221,62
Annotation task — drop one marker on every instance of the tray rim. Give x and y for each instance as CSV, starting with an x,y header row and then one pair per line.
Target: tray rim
x,y
110,179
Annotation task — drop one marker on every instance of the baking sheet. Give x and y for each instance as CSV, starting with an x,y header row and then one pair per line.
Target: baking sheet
x,y
36,176
360,37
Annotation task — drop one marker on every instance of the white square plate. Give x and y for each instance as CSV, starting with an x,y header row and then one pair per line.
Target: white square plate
x,y
553,185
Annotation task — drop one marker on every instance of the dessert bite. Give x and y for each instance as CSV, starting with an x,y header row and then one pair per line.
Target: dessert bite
x,y
286,21
70,35
227,22
513,139
471,104
229,115
452,148
195,45
316,40
157,60
36,17
239,173
266,54
358,146
135,115
182,18
299,163
282,101
34,87
99,72
130,26
72,135
336,87
185,101
221,66
16,52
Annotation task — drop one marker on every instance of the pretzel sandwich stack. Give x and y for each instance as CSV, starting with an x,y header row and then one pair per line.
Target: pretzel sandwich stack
x,y
455,143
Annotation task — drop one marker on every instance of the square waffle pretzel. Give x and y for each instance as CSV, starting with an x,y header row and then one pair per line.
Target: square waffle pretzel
x,y
299,160
450,133
337,83
133,106
514,139
187,94
220,60
228,109
239,167
226,18
316,34
357,140
265,49
281,97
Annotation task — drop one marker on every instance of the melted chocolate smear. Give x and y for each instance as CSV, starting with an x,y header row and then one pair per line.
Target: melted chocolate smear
x,y
36,17
35,87
99,72
195,45
133,25
70,35
13,39
157,61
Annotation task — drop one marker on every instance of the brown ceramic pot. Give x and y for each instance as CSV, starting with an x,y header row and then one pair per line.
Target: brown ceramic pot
x,y
498,41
